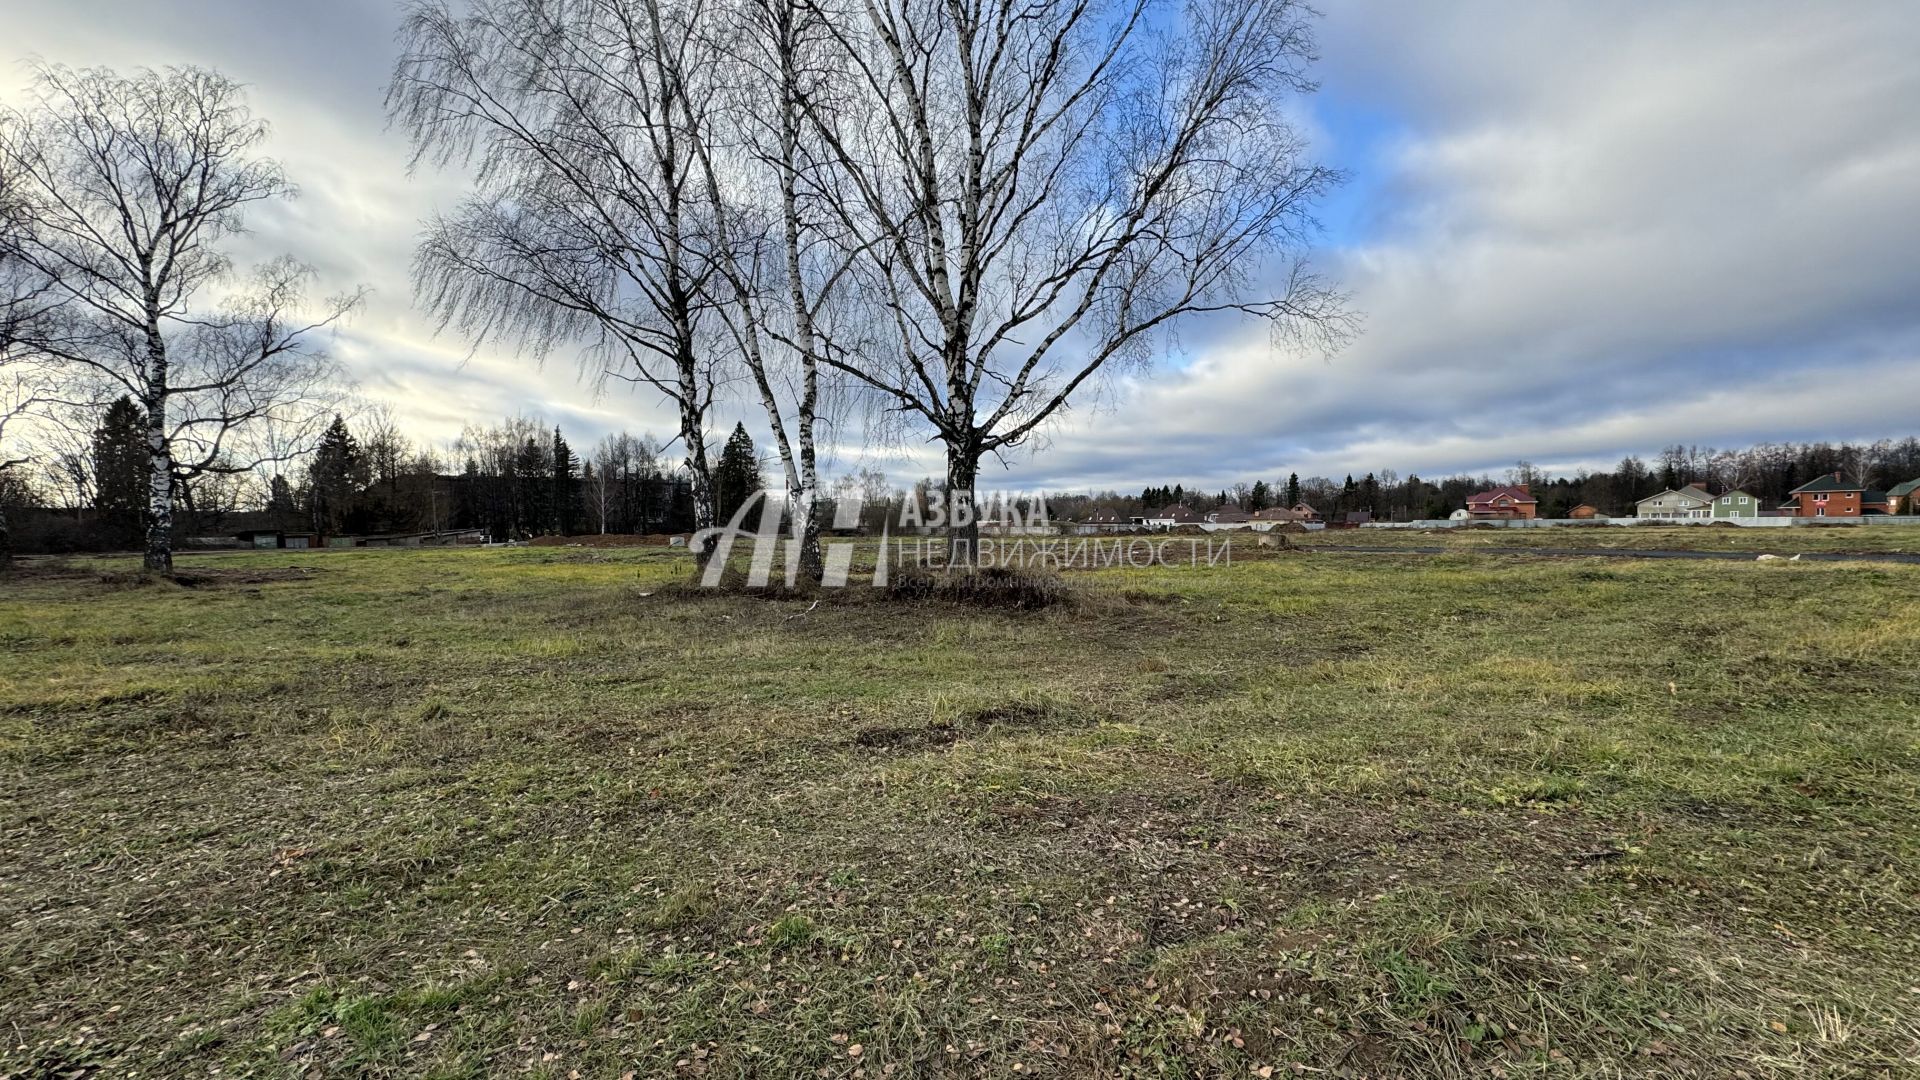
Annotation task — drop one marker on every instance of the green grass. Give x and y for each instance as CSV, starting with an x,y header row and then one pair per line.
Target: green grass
x,y
467,813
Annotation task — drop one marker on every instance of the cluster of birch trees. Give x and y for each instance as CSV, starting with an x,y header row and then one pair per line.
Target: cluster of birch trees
x,y
967,213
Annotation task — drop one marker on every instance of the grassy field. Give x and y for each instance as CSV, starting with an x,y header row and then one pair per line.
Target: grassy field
x,y
545,812
1786,540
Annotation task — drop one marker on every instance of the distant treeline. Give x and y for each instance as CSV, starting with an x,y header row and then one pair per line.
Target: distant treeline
x,y
1767,471
520,477
517,478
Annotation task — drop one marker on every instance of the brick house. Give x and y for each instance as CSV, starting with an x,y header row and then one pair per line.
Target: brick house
x,y
1832,497
1506,501
1903,498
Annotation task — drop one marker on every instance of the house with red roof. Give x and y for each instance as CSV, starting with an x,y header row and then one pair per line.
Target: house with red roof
x,y
1505,501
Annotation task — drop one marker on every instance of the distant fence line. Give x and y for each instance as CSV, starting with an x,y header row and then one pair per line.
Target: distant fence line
x,y
1747,523
1069,528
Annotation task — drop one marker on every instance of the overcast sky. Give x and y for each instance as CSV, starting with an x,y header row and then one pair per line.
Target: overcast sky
x,y
1575,230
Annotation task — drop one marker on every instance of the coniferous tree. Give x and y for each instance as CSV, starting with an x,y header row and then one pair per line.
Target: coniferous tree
x,y
737,476
335,478
1259,497
533,467
1293,489
280,502
565,485
120,473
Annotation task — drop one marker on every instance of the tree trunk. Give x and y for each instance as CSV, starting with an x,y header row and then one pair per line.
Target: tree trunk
x,y
159,515
159,501
6,542
700,479
804,507
963,522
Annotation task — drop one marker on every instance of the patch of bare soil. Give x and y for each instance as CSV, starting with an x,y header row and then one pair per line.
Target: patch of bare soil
x,y
204,578
1011,716
37,568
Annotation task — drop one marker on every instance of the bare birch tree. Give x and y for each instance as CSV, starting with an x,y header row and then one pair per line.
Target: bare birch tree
x,y
129,184
23,390
28,314
1039,191
589,218
785,266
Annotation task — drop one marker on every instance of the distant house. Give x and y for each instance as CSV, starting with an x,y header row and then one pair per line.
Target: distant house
x,y
1506,501
1832,497
1169,516
1357,518
1684,503
1735,504
1583,512
1274,516
1902,498
1101,521
1228,514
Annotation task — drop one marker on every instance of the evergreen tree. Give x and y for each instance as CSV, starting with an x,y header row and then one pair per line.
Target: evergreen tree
x,y
120,473
737,476
1259,497
280,503
533,472
1293,490
336,477
566,494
